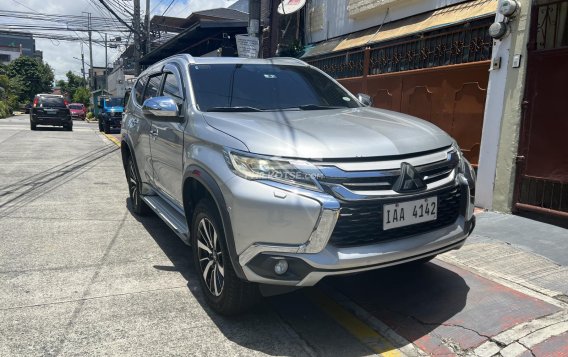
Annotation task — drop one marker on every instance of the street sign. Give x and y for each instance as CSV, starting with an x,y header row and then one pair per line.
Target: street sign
x,y
247,46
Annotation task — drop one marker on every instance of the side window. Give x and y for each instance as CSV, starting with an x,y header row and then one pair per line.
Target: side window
x,y
172,87
153,87
139,90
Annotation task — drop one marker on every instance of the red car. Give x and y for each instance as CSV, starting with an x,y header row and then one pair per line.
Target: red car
x,y
78,111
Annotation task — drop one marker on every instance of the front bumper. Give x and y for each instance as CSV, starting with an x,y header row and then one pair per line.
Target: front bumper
x,y
115,121
306,245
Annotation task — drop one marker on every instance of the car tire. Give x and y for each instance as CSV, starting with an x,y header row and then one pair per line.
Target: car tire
x,y
107,128
224,292
68,127
33,126
100,125
133,179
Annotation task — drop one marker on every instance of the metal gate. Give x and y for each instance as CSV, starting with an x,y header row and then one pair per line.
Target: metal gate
x,y
440,76
542,162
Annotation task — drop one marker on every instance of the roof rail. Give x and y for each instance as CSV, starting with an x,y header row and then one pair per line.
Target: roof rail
x,y
291,59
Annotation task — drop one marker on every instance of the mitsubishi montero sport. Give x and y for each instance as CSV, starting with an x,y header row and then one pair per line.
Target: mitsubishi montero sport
x,y
276,175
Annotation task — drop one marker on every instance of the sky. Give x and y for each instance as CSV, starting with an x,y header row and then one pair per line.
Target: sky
x,y
59,54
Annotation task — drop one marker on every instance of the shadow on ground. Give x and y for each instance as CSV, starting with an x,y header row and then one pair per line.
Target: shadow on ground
x,y
415,299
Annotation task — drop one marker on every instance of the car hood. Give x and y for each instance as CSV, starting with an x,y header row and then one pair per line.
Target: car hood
x,y
76,110
337,133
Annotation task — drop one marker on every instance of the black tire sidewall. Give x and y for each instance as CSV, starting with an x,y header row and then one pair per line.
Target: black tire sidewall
x,y
205,209
139,209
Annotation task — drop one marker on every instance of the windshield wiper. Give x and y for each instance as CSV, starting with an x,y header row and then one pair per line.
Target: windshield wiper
x,y
234,109
318,107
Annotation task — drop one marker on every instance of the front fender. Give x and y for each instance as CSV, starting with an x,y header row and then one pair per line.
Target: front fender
x,y
202,176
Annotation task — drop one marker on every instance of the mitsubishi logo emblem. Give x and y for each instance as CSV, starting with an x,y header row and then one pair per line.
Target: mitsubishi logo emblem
x,y
409,179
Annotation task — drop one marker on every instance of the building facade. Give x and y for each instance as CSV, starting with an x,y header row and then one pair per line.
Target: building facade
x,y
24,41
499,98
429,59
9,53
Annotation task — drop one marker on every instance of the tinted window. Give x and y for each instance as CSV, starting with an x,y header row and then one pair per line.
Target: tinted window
x,y
265,86
56,102
171,86
153,87
75,106
126,97
139,89
114,102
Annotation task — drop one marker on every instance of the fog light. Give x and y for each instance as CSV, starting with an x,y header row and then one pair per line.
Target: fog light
x,y
281,267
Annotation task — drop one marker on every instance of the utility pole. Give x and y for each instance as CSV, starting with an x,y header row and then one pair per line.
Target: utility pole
x,y
83,63
90,50
136,25
91,74
106,64
254,19
147,25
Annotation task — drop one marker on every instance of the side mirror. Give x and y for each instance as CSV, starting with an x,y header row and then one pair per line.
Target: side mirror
x,y
161,108
365,99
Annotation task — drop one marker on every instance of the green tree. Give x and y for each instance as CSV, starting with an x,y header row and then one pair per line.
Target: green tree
x,y
73,83
82,95
10,88
34,76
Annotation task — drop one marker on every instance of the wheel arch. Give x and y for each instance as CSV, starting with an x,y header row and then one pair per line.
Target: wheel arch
x,y
198,184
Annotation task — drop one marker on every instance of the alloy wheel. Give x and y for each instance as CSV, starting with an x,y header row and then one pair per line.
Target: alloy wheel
x,y
133,185
210,257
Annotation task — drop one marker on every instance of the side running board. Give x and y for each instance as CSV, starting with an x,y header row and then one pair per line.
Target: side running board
x,y
170,215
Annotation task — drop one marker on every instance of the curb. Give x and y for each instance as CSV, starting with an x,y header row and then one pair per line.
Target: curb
x,y
112,138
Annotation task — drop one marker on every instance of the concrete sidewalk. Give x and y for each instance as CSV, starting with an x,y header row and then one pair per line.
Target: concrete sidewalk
x,y
520,250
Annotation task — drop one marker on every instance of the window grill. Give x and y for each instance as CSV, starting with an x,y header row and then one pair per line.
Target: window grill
x,y
465,43
552,25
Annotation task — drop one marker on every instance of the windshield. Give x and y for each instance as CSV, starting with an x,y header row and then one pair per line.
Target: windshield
x,y
75,106
114,102
254,87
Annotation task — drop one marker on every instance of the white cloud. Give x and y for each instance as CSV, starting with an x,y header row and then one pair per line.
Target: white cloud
x,y
59,54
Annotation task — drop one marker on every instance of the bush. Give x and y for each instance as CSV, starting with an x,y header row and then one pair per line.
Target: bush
x,y
90,115
5,110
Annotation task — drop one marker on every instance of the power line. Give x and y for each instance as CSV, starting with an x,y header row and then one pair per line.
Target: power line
x,y
167,8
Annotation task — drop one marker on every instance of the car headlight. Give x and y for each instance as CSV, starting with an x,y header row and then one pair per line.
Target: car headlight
x,y
256,167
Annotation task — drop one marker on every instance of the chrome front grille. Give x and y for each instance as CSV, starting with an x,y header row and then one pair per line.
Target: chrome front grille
x,y
369,182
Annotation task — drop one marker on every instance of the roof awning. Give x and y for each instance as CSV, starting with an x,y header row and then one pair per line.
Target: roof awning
x,y
451,15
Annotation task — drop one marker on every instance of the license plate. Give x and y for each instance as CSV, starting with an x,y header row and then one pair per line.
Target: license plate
x,y
410,212
51,111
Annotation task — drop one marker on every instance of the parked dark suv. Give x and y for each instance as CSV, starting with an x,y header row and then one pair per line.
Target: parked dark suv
x,y
50,109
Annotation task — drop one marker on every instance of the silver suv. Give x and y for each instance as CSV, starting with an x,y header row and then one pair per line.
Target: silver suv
x,y
276,175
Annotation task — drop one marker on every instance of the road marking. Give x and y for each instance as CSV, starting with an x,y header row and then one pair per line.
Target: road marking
x,y
353,325
112,138
407,348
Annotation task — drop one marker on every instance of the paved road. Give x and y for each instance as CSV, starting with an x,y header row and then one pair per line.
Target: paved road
x,y
81,275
